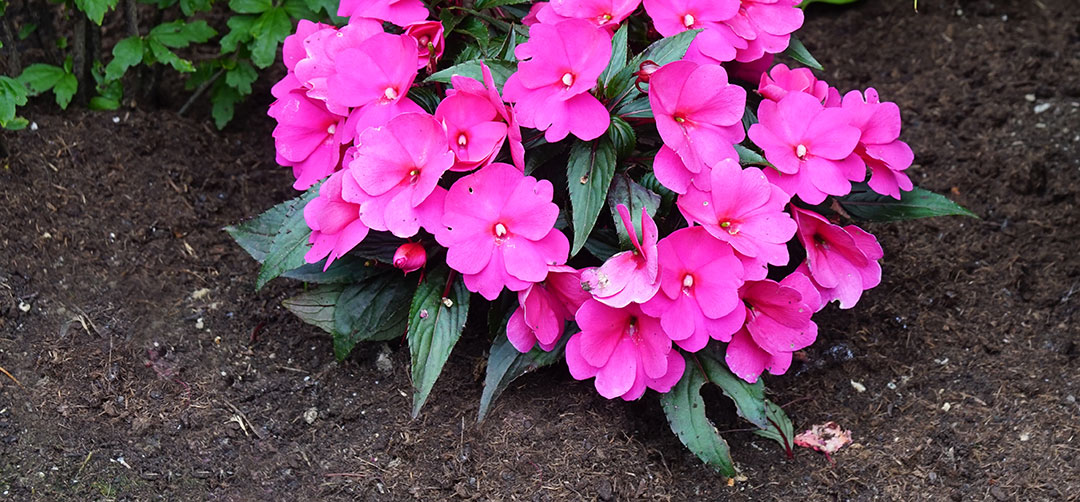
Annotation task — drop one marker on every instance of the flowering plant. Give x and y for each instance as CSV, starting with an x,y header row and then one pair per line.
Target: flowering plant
x,y
658,220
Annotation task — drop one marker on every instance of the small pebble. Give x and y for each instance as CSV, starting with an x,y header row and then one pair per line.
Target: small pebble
x,y
199,323
946,407
383,363
25,307
1042,107
1030,98
858,386
1025,436
310,415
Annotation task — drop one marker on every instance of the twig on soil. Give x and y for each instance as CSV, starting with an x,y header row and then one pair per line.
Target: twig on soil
x,y
199,92
346,475
83,466
244,417
12,377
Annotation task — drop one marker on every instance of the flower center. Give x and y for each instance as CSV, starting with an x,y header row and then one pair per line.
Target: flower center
x,y
424,40
414,175
679,119
800,151
687,281
331,129
732,230
605,18
688,20
631,329
500,230
568,79
390,93
462,140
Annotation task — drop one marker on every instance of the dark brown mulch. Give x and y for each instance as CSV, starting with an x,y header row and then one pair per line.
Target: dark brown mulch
x,y
151,369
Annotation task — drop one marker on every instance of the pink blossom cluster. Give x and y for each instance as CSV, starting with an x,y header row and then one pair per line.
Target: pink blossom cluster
x,y
344,118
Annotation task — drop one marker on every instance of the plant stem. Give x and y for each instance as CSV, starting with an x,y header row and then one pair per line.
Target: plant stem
x,y
199,91
78,55
11,53
131,17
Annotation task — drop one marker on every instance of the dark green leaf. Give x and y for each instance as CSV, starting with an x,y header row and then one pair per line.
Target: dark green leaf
x,y
685,411
505,364
487,4
103,103
179,34
250,6
667,197
780,427
12,94
603,243
797,51
378,246
635,197
269,30
223,101
328,7
749,118
622,136
95,9
475,28
239,33
25,30
126,53
500,71
663,51
189,7
427,98
276,238
435,324
347,269
748,157
588,175
316,307
241,76
371,310
619,49
865,204
749,398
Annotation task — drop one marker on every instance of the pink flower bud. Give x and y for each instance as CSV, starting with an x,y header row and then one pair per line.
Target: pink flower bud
x,y
410,256
645,70
429,41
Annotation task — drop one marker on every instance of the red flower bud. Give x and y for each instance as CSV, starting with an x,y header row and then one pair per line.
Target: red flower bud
x,y
645,70
429,41
410,256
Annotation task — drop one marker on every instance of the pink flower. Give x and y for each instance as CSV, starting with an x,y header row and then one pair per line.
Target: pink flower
x,y
410,257
781,80
397,168
766,25
307,137
429,42
321,48
559,65
699,289
630,276
811,146
374,76
744,210
292,49
751,71
399,12
476,122
606,14
698,114
335,223
624,349
879,145
716,43
778,324
841,261
544,309
498,228
531,18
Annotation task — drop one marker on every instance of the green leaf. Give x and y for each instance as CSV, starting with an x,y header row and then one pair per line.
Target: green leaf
x,y
685,411
327,7
450,19
427,98
780,427
347,269
126,53
12,94
505,364
269,30
241,76
223,101
435,324
487,4
588,174
865,204
748,157
239,33
749,398
298,9
749,118
661,52
179,34
371,310
250,6
65,89
500,71
25,30
635,197
797,51
475,28
276,238
622,136
16,124
103,103
316,307
95,9
189,7
667,197
164,55
619,49
40,77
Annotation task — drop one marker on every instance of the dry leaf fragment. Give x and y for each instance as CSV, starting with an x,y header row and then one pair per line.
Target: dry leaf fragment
x,y
826,438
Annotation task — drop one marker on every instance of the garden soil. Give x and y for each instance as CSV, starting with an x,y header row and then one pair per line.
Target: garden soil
x,y
150,368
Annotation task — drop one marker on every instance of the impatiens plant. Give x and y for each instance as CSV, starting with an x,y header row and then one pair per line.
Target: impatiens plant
x,y
638,190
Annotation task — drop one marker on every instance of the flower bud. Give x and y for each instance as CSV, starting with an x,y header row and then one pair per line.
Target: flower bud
x,y
645,70
429,41
410,256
